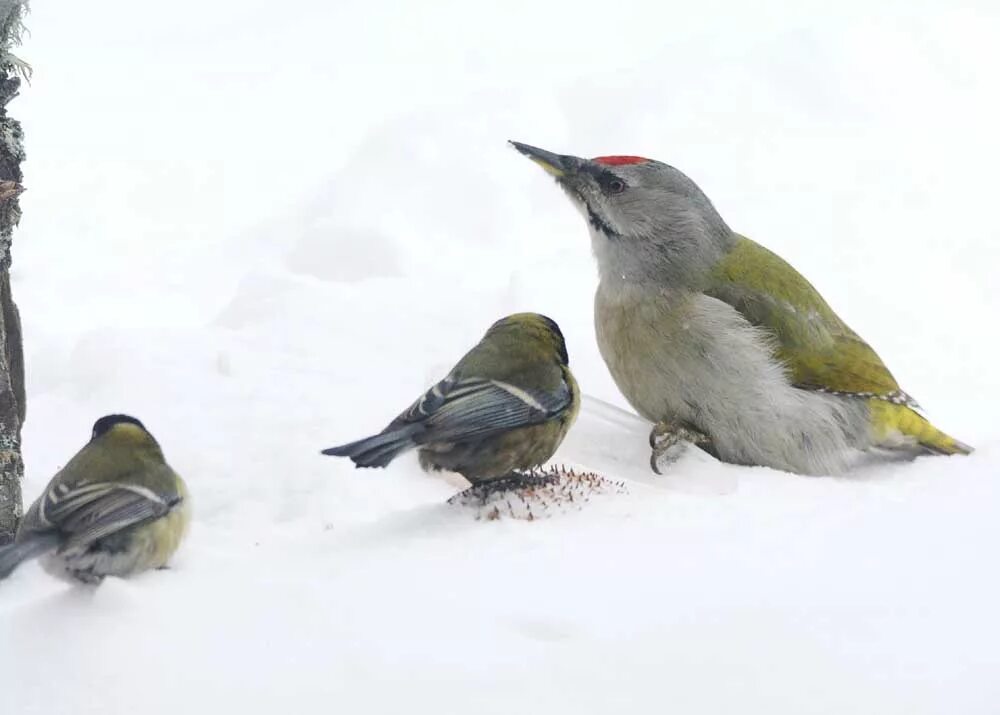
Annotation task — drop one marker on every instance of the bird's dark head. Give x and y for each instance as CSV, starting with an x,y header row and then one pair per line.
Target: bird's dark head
x,y
121,427
533,327
647,220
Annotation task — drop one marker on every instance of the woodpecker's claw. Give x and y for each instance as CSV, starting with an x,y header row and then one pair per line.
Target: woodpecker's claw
x,y
669,440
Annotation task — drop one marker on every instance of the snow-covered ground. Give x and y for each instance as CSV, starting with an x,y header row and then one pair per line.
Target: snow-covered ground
x,y
264,229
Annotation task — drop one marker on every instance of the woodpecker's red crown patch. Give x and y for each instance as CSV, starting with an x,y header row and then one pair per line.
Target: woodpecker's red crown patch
x,y
620,160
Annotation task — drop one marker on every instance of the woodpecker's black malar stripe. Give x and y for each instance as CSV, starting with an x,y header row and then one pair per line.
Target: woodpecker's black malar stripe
x,y
598,223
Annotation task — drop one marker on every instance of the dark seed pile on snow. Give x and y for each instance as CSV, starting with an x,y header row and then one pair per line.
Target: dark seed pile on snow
x,y
541,494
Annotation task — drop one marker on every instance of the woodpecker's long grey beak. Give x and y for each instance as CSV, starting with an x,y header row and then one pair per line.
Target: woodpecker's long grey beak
x,y
558,165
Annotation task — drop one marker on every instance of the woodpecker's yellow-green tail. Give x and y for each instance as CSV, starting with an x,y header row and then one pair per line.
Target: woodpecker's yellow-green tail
x,y
890,420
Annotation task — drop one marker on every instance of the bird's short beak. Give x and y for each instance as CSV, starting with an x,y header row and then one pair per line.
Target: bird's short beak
x,y
558,165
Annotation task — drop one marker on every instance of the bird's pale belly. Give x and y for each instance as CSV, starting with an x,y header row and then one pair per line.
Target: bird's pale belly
x,y
695,359
652,354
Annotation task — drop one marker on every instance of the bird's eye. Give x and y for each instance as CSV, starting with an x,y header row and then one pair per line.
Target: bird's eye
x,y
614,185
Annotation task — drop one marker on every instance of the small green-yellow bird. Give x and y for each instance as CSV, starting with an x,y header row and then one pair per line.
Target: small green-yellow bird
x,y
501,411
720,342
115,509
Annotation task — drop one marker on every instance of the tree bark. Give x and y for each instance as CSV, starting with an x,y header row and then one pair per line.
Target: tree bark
x,y
12,403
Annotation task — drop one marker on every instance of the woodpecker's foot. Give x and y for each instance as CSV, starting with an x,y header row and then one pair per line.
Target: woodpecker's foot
x,y
668,441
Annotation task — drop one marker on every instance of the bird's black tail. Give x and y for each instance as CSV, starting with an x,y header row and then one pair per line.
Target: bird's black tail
x,y
12,555
378,450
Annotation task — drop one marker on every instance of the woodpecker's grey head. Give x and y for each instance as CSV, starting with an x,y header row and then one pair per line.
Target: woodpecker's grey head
x,y
648,221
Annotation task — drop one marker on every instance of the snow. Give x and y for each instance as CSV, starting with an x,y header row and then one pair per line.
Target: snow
x,y
265,229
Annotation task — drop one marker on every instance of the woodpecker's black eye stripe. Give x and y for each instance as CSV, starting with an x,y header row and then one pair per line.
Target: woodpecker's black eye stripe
x,y
604,177
611,183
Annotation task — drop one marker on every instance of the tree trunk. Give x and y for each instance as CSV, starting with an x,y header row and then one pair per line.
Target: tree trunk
x,y
11,356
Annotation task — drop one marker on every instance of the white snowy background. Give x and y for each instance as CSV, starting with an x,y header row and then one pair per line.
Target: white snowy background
x,y
264,228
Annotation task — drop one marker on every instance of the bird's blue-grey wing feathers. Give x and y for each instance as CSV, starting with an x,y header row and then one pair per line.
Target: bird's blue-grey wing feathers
x,y
455,410
89,512
71,518
476,407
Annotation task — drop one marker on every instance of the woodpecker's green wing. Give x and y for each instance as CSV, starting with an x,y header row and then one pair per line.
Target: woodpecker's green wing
x,y
819,349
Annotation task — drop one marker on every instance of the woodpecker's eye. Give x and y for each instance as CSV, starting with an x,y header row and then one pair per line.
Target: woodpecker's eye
x,y
612,184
